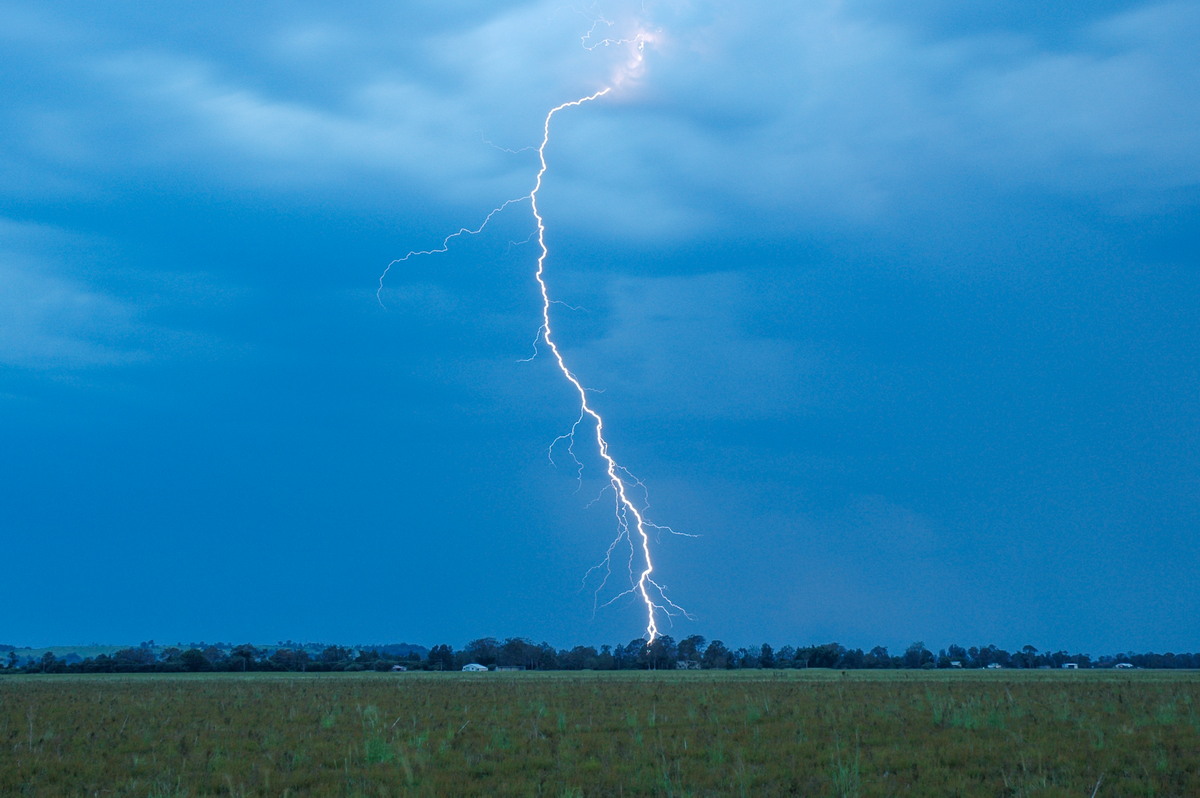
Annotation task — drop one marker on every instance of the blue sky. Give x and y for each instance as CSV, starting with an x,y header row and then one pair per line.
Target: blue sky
x,y
894,307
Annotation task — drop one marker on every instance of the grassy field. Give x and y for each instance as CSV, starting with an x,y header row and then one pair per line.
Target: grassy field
x,y
818,733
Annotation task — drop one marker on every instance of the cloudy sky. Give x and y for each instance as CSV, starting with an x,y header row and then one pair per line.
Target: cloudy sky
x,y
892,306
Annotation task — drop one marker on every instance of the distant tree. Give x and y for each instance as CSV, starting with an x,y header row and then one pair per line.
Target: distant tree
x,y
579,658
691,648
441,658
547,657
852,658
335,655
917,656
134,659
717,656
289,659
992,655
194,660
786,657
662,654
483,651
215,654
1000,656
636,654
522,652
512,652
824,656
604,660
242,657
766,656
878,658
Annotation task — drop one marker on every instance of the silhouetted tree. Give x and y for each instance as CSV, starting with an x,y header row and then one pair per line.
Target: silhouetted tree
x,y
917,656
878,658
662,653
290,660
852,658
242,657
483,651
579,658
441,658
717,656
691,648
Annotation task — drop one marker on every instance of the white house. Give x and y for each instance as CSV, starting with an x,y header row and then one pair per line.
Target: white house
x,y
1071,666
474,667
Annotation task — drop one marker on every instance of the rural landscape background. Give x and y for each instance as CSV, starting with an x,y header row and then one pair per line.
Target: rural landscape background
x,y
694,652
890,310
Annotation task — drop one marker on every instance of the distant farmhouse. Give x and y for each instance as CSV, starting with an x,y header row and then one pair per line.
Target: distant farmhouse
x,y
474,667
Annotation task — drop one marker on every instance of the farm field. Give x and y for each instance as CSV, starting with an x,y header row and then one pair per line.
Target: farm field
x,y
818,733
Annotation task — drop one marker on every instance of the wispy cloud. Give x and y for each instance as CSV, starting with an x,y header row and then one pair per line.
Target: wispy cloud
x,y
48,320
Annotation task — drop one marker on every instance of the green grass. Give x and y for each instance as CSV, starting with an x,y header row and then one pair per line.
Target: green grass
x,y
818,733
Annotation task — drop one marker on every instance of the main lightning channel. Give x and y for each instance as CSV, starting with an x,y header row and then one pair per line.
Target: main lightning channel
x,y
632,526
645,586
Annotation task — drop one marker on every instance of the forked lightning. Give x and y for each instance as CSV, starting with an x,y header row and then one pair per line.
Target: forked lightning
x,y
632,526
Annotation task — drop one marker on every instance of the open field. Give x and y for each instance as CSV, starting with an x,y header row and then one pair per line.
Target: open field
x,y
819,733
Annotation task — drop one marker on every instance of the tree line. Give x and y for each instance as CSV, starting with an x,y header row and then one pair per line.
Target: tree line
x,y
665,653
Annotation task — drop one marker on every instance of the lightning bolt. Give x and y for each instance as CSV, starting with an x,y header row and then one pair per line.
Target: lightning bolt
x,y
632,525
630,517
445,247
